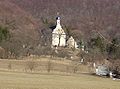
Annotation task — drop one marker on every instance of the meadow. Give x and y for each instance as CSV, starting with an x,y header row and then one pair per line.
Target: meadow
x,y
54,74
20,80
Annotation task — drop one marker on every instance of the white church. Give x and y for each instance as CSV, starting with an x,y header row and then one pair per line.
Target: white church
x,y
59,37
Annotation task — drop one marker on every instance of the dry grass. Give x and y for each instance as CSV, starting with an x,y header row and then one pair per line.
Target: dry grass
x,y
41,64
10,80
13,76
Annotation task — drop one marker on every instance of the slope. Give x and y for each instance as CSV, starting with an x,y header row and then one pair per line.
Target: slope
x,y
86,16
22,26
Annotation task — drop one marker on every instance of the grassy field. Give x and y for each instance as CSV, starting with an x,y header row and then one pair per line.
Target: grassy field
x,y
42,64
15,80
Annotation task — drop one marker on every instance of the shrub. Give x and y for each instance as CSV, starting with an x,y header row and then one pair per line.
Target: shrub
x,y
4,33
49,66
31,65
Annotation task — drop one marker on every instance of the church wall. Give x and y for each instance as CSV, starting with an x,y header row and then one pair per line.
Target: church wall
x,y
55,39
63,40
72,43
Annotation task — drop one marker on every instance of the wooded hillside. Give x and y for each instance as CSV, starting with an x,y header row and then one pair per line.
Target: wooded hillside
x,y
96,22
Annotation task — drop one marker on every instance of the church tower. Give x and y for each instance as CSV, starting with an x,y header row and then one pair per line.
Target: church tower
x,y
58,35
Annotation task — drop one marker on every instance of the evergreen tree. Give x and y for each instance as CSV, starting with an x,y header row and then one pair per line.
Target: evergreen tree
x,y
97,43
4,33
114,49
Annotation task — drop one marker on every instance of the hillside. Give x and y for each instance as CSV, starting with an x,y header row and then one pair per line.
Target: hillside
x,y
84,19
22,26
12,14
81,15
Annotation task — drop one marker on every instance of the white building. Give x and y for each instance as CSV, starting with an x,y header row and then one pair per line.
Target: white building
x,y
71,43
58,35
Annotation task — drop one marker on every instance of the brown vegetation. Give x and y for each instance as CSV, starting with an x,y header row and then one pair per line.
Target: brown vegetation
x,y
43,65
29,22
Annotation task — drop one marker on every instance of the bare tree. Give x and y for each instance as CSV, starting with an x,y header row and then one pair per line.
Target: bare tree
x,y
31,65
49,66
10,65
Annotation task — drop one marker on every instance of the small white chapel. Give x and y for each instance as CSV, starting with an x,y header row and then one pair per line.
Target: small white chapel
x,y
59,37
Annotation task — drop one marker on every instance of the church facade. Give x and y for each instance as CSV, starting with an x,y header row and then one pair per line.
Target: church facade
x,y
58,35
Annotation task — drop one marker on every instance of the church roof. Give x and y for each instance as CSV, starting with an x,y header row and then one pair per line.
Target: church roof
x,y
58,29
71,39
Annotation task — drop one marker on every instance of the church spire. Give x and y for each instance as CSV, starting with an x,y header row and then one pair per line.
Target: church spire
x,y
58,20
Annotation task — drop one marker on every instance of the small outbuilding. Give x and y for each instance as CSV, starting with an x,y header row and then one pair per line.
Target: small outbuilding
x,y
71,43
